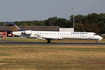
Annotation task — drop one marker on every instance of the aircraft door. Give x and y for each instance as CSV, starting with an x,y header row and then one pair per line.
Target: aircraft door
x,y
90,36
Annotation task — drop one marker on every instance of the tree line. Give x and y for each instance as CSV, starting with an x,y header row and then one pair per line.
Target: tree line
x,y
89,23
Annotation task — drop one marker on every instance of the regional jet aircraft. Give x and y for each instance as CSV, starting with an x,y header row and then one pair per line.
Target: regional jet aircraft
x,y
51,35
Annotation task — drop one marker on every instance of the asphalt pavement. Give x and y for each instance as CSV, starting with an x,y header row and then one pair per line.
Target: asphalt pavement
x,y
3,42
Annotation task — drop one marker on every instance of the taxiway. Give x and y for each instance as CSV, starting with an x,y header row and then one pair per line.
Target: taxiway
x,y
3,42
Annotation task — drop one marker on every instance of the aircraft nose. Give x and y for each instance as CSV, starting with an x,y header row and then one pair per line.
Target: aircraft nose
x,y
100,38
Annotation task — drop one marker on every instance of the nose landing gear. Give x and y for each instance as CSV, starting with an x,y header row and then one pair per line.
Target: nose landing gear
x,y
96,41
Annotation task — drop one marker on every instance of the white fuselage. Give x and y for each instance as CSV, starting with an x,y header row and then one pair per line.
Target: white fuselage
x,y
45,35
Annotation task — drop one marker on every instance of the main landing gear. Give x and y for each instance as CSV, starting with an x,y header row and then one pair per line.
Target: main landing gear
x,y
48,41
96,41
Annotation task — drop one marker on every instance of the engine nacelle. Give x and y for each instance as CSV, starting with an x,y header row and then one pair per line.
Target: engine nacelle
x,y
28,32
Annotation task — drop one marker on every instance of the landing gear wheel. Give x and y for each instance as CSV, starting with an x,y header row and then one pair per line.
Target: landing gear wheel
x,y
48,41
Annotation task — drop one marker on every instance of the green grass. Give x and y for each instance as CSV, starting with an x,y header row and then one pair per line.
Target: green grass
x,y
52,57
3,54
22,39
61,41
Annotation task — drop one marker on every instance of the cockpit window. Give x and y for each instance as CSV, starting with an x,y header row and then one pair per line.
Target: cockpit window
x,y
95,34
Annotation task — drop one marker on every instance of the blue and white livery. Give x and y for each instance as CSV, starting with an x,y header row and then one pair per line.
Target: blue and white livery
x,y
51,35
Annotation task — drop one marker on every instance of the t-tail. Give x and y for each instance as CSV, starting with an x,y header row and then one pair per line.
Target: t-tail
x,y
13,27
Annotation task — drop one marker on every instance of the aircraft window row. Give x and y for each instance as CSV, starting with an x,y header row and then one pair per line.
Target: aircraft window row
x,y
59,34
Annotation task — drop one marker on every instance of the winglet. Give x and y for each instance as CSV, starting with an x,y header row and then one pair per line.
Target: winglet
x,y
13,27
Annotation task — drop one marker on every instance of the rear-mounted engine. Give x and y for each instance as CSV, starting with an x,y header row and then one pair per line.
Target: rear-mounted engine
x,y
27,32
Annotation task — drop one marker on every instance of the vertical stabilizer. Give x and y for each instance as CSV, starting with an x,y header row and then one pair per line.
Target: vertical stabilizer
x,y
13,27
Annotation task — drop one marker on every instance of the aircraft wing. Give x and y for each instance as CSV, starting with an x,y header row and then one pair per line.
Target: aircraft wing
x,y
51,38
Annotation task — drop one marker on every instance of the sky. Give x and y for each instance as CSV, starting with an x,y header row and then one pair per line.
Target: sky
x,y
29,10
